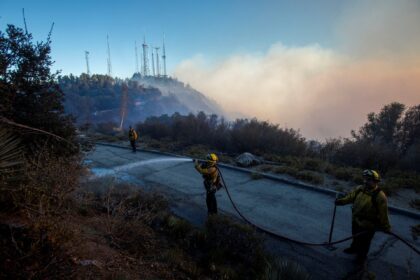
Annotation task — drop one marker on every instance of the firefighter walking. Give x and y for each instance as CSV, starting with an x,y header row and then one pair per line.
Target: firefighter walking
x,y
369,213
211,178
132,136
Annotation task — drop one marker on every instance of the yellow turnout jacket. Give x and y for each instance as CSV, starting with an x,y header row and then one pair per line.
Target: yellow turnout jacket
x,y
367,213
209,173
132,135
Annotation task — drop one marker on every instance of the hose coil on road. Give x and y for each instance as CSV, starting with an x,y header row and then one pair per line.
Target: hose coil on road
x,y
276,235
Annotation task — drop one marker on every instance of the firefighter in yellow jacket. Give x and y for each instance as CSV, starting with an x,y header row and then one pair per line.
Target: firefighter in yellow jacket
x,y
211,181
369,213
132,136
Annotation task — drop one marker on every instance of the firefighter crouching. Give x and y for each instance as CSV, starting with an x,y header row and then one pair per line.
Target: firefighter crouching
x,y
369,213
211,180
132,136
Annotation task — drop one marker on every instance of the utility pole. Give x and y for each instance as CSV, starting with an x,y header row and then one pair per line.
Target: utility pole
x,y
87,62
153,64
109,58
164,57
157,62
137,57
145,58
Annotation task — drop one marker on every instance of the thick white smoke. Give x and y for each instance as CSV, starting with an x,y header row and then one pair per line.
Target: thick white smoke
x,y
323,92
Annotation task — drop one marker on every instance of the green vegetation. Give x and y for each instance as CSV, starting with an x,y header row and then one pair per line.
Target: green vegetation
x,y
388,141
100,98
239,136
280,269
292,171
256,176
310,177
39,171
30,95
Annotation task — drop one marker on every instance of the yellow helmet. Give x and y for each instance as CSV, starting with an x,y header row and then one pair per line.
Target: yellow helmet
x,y
212,158
371,174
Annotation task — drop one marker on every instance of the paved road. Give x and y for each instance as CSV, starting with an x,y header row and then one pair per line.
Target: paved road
x,y
295,212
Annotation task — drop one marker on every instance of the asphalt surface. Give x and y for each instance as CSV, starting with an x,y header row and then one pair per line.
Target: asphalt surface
x,y
294,212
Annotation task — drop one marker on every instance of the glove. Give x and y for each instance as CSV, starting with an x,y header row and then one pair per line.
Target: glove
x,y
195,161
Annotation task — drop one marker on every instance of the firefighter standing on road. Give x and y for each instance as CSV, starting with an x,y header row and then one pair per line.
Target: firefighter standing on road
x,y
132,136
369,213
211,180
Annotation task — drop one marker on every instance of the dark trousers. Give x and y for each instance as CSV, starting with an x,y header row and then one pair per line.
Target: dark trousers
x,y
211,203
133,145
361,243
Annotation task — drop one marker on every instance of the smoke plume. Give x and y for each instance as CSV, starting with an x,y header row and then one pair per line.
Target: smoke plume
x,y
323,92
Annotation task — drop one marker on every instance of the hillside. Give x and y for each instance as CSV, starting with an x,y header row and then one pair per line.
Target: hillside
x,y
99,98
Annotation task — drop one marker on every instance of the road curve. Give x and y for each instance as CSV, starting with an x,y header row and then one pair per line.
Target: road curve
x,y
300,213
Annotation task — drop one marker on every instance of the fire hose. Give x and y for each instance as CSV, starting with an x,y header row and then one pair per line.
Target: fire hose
x,y
278,236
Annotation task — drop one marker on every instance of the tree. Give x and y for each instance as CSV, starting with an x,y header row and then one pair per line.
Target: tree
x,y
29,92
382,128
410,128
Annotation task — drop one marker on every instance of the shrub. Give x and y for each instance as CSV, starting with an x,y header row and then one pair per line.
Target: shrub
x,y
227,241
243,135
128,216
314,164
345,173
286,170
280,269
197,151
292,162
256,176
42,195
265,168
403,179
311,177
415,203
107,128
178,228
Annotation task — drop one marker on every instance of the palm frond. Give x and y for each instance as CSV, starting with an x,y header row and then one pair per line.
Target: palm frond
x,y
10,151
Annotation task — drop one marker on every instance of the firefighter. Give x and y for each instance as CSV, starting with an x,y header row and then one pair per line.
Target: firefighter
x,y
369,214
211,180
132,136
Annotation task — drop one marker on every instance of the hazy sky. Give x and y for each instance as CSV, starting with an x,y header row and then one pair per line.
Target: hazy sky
x,y
319,66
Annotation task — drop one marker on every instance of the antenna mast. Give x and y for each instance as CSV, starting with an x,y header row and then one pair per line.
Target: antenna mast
x,y
109,58
145,58
157,62
50,33
24,21
137,57
153,63
87,62
164,57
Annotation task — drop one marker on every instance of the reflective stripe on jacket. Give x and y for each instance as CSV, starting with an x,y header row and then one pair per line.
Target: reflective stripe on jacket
x,y
365,213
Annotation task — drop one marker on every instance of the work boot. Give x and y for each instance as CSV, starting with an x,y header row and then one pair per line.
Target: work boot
x,y
360,261
350,250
